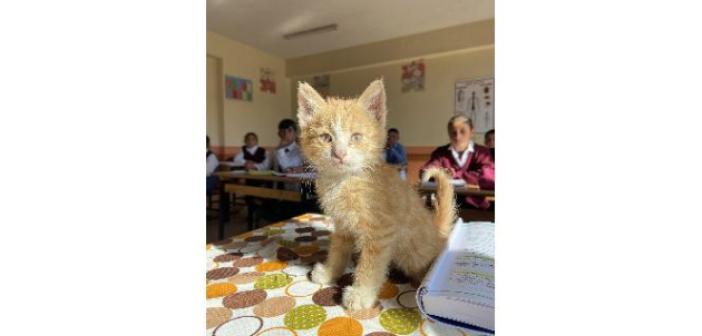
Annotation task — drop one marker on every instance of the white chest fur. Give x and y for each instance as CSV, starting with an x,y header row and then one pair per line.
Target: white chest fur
x,y
341,199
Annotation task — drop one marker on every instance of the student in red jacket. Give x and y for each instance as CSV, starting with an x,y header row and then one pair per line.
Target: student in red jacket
x,y
465,160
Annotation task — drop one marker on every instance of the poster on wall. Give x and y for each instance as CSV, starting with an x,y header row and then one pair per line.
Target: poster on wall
x,y
413,76
321,83
476,99
238,88
267,80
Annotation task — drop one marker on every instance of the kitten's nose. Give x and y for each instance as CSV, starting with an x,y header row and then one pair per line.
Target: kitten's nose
x,y
339,154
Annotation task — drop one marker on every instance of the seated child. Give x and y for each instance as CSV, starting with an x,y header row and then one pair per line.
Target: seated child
x,y
212,164
490,142
288,156
394,151
465,160
252,157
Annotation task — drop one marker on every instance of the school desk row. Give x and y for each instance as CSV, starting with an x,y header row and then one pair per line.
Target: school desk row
x,y
234,183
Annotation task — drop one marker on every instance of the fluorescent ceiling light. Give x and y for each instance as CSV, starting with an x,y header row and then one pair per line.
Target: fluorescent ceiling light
x,y
317,30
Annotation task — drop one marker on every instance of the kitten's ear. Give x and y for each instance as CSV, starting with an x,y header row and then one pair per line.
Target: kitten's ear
x,y
309,102
373,100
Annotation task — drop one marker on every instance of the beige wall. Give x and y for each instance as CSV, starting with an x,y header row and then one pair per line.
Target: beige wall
x,y
214,102
265,111
450,54
461,37
420,116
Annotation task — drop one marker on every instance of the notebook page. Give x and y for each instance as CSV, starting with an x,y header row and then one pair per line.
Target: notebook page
x,y
467,273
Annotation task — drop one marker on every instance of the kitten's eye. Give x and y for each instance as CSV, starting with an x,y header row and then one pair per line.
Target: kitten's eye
x,y
357,137
326,137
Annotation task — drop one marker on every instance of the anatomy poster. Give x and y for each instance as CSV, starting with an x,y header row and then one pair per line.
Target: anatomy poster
x,y
476,100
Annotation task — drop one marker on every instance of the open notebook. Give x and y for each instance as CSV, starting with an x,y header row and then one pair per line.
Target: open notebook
x,y
459,289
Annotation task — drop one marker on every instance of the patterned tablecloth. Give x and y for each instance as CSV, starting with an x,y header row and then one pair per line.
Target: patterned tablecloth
x,y
257,285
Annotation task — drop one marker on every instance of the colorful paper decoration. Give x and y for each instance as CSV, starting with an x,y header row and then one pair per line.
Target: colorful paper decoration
x,y
238,88
413,76
267,80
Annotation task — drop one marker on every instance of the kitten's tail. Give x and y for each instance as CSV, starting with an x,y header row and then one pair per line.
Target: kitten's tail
x,y
445,206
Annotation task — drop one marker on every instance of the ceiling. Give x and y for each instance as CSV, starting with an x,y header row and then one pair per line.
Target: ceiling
x,y
262,23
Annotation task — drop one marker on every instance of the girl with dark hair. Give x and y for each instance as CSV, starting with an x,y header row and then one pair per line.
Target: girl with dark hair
x,y
252,157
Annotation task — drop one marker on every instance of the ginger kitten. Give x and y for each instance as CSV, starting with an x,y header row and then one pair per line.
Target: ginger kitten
x,y
374,211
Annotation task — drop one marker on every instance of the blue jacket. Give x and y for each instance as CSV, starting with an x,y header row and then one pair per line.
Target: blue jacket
x,y
396,155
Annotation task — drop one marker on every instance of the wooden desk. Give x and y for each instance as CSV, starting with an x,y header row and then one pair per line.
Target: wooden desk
x,y
466,214
263,192
463,191
232,175
231,183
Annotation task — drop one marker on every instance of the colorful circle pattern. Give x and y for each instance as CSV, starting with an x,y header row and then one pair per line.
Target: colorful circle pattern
x,y
305,317
244,299
294,247
274,306
244,278
222,272
400,320
217,316
340,326
271,266
220,289
272,281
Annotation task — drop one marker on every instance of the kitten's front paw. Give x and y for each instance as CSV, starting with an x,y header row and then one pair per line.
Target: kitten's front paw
x,y
320,275
355,299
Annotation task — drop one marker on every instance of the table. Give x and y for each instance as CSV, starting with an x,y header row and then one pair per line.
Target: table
x,y
258,191
467,190
463,190
229,186
257,285
232,175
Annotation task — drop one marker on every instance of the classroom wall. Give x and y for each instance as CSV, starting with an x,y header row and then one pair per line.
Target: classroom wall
x,y
420,116
469,35
451,54
214,102
265,111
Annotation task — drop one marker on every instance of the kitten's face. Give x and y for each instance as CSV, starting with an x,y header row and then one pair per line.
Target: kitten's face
x,y
342,136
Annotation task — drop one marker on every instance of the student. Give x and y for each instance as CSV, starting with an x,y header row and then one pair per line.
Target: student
x,y
465,160
252,157
212,164
490,142
288,159
394,151
288,155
